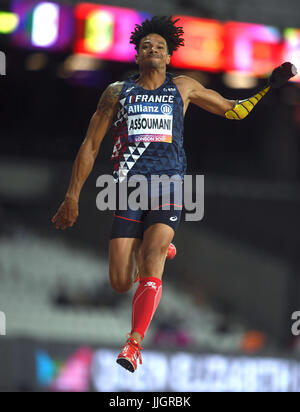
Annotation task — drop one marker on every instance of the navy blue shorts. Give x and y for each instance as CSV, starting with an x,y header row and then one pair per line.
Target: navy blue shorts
x,y
133,223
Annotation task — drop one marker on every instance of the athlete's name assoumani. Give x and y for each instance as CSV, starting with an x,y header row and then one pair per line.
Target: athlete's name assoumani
x,y
152,123
181,401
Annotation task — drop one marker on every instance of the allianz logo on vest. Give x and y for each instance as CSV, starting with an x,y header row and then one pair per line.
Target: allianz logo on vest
x,y
166,109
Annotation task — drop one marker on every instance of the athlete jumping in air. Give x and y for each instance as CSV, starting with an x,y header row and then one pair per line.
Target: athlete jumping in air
x,y
147,113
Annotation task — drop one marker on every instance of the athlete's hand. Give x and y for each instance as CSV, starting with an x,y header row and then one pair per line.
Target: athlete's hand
x,y
67,214
282,74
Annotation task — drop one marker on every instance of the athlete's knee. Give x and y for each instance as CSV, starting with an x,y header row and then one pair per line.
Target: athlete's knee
x,y
154,252
119,283
120,287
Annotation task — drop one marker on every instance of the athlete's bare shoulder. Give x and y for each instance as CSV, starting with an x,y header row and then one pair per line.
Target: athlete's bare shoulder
x,y
115,88
185,83
185,86
110,98
180,78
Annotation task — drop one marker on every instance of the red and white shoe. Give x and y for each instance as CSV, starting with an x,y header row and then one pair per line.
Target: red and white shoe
x,y
171,251
129,354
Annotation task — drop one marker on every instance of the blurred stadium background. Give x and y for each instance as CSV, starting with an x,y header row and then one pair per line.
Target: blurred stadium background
x,y
225,320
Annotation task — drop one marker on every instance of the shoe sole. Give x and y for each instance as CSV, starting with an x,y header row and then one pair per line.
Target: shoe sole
x,y
126,364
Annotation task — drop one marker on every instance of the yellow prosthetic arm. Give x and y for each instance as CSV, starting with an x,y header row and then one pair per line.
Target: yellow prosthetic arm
x,y
243,107
278,78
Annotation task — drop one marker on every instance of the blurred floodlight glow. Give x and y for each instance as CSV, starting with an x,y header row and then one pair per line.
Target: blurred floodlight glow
x,y
8,22
104,31
251,48
36,61
45,24
203,44
291,49
99,31
81,62
238,80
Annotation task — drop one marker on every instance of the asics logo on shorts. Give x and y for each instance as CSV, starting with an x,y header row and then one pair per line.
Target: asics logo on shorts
x,y
173,218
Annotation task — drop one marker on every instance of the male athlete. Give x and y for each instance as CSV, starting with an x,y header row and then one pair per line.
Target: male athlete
x,y
147,113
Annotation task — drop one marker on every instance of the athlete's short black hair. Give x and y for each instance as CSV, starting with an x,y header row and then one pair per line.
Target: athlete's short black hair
x,y
164,26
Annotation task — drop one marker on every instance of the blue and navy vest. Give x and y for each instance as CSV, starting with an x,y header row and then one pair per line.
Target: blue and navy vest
x,y
148,131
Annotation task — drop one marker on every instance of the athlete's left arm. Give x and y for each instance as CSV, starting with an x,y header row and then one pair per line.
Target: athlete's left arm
x,y
238,109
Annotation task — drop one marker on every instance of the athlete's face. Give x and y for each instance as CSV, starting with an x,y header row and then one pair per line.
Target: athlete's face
x,y
153,52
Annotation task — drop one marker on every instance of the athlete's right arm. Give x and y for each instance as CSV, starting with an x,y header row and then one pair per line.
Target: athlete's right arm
x,y
98,127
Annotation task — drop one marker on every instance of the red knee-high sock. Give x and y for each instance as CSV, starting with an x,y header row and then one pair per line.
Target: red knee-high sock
x,y
145,302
